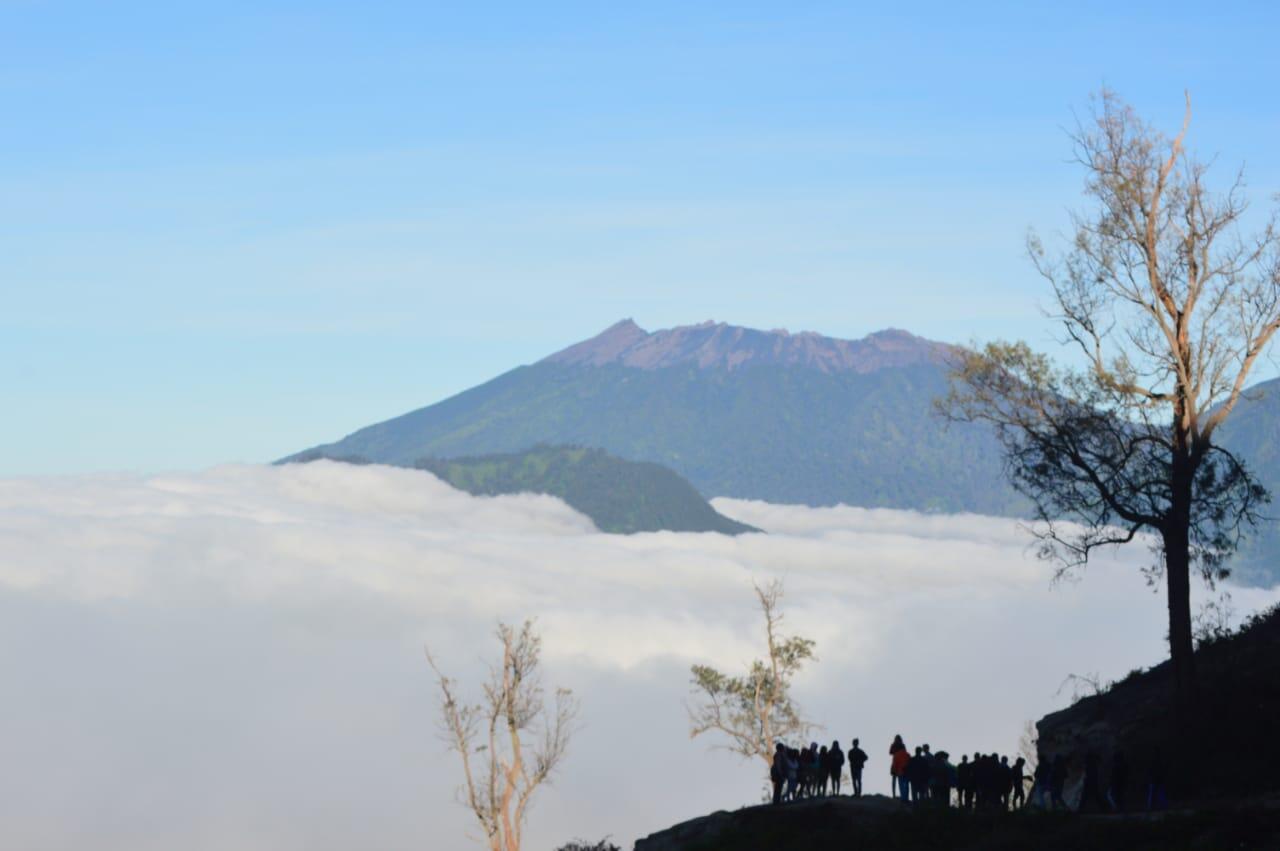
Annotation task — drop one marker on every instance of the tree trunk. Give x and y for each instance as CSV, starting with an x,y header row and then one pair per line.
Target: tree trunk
x,y
1181,652
1177,563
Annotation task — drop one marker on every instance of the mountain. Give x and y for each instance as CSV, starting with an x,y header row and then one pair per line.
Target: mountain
x,y
797,418
789,418
1252,432
619,496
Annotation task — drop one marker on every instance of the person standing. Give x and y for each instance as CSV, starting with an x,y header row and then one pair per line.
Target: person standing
x,y
964,782
1040,782
1058,782
835,767
1091,799
899,758
857,759
793,773
1019,781
778,771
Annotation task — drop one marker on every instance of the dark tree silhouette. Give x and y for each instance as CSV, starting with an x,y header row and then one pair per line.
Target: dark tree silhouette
x,y
1171,304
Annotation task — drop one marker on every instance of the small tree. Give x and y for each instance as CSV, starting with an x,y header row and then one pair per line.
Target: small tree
x,y
509,743
1171,305
755,710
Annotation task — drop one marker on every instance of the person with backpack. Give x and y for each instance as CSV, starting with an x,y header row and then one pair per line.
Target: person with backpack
x,y
835,766
857,759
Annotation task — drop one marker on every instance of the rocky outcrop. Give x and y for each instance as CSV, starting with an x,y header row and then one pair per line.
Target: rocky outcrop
x,y
1228,748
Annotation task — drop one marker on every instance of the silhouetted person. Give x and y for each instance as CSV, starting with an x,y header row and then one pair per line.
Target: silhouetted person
x,y
1019,779
1091,799
778,771
943,779
835,766
1005,782
857,759
793,773
1119,781
1157,793
919,770
1040,786
899,758
964,782
823,767
1058,781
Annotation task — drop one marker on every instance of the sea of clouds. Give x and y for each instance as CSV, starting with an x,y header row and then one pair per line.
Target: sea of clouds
x,y
234,658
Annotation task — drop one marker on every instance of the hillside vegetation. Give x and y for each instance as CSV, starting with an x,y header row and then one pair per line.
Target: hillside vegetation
x,y
619,496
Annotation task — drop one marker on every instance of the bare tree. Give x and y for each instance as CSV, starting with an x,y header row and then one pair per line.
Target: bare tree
x,y
510,742
1171,305
1029,746
754,711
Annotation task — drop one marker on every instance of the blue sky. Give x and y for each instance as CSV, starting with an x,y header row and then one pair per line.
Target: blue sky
x,y
231,231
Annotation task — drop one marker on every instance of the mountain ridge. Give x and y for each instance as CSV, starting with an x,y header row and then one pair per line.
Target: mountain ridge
x,y
711,345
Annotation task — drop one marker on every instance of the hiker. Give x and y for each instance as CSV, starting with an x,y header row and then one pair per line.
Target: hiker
x,y
835,766
822,771
1090,791
900,757
1019,779
1119,780
1057,782
778,771
983,782
857,759
964,782
919,770
942,779
1040,782
793,773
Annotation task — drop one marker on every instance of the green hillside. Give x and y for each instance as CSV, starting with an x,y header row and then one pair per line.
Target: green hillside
x,y
619,496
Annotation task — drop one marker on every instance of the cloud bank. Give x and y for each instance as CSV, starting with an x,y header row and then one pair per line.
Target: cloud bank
x,y
234,658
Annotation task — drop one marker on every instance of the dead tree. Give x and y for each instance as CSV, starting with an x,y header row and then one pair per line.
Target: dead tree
x,y
756,710
1170,305
510,742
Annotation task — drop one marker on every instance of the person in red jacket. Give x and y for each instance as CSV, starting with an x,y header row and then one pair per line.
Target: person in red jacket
x,y
899,757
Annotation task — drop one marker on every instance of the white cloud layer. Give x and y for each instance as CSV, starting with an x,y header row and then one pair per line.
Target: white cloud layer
x,y
234,658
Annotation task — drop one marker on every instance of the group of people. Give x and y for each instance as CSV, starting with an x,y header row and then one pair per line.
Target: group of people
x,y
985,782
814,771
